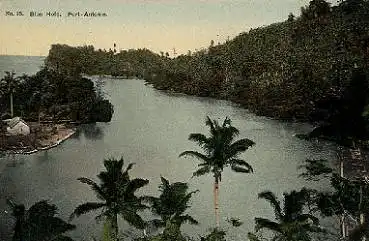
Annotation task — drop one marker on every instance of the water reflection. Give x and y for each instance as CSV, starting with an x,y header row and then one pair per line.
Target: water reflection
x,y
13,160
43,157
89,131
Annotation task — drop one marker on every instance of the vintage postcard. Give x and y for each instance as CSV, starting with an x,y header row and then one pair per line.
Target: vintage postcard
x,y
184,120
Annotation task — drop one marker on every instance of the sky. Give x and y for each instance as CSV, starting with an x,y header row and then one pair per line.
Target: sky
x,y
159,25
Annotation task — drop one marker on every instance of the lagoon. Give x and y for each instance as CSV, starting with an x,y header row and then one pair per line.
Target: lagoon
x,y
150,128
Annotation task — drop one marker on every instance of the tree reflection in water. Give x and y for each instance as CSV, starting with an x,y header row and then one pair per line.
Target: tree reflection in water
x,y
13,160
43,157
89,131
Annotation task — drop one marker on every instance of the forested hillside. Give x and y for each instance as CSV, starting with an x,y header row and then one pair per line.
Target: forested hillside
x,y
300,69
282,70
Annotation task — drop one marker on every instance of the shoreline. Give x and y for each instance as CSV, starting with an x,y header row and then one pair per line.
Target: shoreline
x,y
26,151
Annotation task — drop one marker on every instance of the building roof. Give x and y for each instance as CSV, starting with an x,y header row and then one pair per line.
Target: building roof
x,y
13,122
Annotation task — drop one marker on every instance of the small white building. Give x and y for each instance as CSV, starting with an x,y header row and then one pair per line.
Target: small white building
x,y
17,126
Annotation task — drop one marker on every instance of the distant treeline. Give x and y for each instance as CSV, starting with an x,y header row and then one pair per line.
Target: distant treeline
x,y
128,63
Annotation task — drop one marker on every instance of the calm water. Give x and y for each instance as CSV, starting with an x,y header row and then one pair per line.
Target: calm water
x,y
20,64
151,129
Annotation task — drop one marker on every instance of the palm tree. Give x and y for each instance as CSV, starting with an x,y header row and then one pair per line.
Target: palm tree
x,y
171,205
220,152
38,223
8,83
292,224
117,193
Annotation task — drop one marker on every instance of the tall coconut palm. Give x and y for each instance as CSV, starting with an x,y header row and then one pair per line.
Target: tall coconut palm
x,y
117,193
291,222
220,151
8,84
171,205
38,223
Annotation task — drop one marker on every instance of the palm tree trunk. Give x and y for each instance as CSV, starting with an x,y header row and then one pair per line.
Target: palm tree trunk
x,y
11,105
216,203
18,233
110,231
114,225
361,210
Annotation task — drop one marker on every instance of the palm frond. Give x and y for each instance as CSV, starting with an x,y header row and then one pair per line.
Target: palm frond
x,y
272,199
184,201
211,124
196,154
202,171
229,133
186,219
227,121
129,167
179,187
94,186
266,223
239,146
164,183
42,209
199,138
133,219
237,168
85,208
240,162
136,183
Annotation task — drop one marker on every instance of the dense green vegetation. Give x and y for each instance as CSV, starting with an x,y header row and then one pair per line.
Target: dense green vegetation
x,y
49,95
282,70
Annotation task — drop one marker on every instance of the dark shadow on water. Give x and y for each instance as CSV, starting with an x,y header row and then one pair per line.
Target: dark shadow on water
x,y
89,131
43,157
14,160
